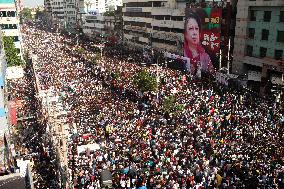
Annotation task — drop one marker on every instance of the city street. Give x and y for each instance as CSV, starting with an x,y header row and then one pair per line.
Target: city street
x,y
142,94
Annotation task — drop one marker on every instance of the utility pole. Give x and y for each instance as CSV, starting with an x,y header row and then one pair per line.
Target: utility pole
x,y
227,36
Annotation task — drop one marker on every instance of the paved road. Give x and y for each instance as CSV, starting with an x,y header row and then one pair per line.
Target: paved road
x,y
12,182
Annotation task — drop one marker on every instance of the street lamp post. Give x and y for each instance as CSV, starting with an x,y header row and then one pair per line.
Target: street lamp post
x,y
77,39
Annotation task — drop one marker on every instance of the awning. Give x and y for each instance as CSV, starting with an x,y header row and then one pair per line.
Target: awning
x,y
2,112
2,83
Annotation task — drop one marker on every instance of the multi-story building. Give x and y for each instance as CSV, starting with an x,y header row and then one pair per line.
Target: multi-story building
x,y
94,25
259,40
57,12
4,129
19,5
159,24
95,6
70,11
48,12
10,22
156,23
103,26
112,4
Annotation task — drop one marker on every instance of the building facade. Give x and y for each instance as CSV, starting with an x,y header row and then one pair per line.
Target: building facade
x,y
156,23
19,5
9,21
57,12
259,40
69,14
4,127
93,25
102,28
159,24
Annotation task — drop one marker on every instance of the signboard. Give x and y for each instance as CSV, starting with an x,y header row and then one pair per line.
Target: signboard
x,y
14,72
202,30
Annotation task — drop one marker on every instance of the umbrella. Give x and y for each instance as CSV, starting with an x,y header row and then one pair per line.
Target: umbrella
x,y
132,173
142,187
125,171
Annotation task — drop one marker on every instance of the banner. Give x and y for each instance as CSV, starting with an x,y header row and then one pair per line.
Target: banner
x,y
182,63
13,105
202,30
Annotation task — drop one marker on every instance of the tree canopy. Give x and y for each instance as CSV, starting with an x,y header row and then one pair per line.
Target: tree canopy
x,y
144,81
26,14
109,13
169,104
12,55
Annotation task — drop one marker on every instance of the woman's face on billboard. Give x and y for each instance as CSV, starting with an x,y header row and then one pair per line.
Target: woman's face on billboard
x,y
192,32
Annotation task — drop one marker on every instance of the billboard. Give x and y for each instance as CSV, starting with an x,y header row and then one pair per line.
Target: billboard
x,y
202,31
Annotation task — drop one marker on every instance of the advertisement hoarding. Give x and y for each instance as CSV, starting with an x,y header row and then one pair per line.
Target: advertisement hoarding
x,y
202,32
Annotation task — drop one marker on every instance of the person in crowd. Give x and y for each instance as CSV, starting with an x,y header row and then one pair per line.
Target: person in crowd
x,y
215,137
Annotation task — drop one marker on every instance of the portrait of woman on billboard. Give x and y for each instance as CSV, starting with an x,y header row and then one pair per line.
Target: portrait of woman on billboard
x,y
193,48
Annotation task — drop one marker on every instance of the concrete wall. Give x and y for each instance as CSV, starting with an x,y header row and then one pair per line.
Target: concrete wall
x,y
241,34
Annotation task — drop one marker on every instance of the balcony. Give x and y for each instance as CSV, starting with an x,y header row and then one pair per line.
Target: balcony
x,y
143,39
178,12
99,25
166,47
163,23
127,36
170,36
135,28
137,9
137,19
161,11
178,24
91,17
89,24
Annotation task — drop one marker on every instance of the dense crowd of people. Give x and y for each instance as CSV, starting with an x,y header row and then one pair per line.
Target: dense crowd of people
x,y
29,130
215,137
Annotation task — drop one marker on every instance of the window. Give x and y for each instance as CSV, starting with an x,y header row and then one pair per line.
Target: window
x,y
3,14
280,36
252,15
11,13
281,18
8,26
262,52
265,34
267,16
278,54
249,50
251,33
16,38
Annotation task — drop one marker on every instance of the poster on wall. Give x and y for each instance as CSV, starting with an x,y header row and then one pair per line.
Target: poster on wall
x,y
202,32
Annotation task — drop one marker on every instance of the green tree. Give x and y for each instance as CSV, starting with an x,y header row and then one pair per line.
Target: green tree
x,y
94,60
144,81
110,12
40,14
115,76
98,56
169,104
81,50
12,55
26,14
